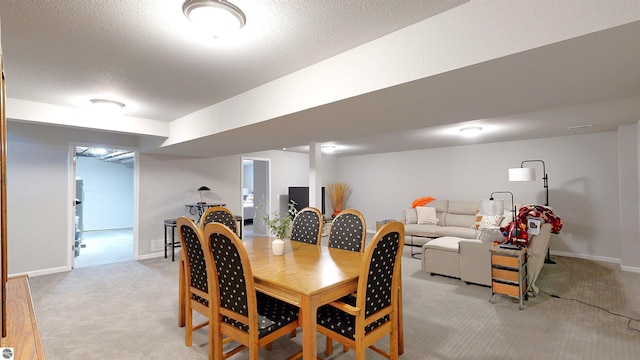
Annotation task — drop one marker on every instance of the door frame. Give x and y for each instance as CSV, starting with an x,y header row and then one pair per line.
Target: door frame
x,y
71,196
256,200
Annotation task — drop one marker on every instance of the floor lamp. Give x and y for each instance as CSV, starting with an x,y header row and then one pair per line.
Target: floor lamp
x,y
492,207
529,174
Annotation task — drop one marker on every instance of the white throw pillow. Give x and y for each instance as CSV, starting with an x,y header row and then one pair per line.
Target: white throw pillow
x,y
410,216
427,215
490,221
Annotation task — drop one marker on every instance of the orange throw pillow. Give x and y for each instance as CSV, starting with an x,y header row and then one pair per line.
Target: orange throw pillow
x,y
422,201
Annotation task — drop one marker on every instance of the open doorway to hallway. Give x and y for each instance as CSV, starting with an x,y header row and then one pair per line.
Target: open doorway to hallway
x,y
255,194
104,210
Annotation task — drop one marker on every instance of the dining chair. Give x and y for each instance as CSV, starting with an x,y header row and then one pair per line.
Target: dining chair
x,y
348,231
359,321
198,296
219,214
307,226
240,312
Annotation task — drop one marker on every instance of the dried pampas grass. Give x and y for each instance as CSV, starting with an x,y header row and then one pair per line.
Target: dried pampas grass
x,y
337,195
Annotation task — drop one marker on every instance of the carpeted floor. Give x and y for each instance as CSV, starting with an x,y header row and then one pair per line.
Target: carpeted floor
x,y
105,247
128,310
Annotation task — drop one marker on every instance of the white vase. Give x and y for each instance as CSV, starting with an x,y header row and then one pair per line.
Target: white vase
x,y
277,246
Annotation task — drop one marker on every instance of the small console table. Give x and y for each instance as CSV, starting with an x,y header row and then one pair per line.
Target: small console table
x,y
198,209
509,273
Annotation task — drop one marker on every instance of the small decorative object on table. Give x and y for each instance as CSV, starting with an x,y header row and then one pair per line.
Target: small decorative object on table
x,y
279,226
277,246
337,195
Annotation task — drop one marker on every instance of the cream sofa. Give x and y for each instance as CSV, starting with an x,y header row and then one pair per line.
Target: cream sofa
x,y
470,259
455,218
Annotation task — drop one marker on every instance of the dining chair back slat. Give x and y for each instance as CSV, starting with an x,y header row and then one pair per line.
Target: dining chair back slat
x,y
348,231
219,214
307,226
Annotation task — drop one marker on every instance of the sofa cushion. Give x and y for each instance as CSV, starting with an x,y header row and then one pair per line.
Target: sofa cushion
x,y
421,229
460,220
426,215
441,206
410,216
463,207
463,232
445,243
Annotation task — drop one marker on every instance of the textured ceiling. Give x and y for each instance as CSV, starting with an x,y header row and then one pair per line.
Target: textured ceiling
x,y
146,54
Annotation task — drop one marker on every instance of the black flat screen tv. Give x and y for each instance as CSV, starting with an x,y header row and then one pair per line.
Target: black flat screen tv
x,y
300,196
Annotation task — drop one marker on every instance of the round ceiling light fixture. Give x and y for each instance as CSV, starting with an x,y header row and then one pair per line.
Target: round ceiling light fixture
x,y
107,105
328,149
215,17
471,131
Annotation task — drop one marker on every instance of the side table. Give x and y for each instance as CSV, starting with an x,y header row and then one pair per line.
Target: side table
x,y
509,273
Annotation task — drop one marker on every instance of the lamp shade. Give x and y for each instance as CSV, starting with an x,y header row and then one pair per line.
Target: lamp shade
x,y
491,207
203,188
522,174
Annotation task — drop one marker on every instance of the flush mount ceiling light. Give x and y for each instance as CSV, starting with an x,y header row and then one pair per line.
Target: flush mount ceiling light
x,y
215,17
471,131
328,149
108,105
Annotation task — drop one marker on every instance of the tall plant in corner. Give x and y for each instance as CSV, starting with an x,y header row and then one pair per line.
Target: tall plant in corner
x,y
338,195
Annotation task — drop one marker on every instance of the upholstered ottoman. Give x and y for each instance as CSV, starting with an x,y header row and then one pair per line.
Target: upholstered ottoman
x,y
441,256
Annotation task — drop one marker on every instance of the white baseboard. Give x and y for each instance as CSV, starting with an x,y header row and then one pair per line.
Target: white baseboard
x,y
43,272
630,269
634,269
586,256
158,254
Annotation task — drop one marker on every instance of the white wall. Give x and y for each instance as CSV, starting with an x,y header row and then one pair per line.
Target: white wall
x,y
39,215
108,193
583,177
629,190
169,182
583,184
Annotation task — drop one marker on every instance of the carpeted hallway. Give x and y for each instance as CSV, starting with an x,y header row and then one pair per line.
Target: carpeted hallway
x,y
128,310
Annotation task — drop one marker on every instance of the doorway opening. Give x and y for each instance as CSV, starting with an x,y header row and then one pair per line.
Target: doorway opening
x,y
104,205
255,195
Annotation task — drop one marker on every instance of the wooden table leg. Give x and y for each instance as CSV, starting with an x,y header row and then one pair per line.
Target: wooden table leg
x,y
309,310
181,293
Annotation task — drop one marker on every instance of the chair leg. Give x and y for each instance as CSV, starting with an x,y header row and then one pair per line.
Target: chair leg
x,y
188,336
394,340
329,348
254,351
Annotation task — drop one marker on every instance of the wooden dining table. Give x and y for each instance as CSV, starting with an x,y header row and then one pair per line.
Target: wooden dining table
x,y
307,276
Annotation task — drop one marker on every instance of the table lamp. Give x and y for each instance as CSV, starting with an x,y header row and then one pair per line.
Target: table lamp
x,y
200,190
